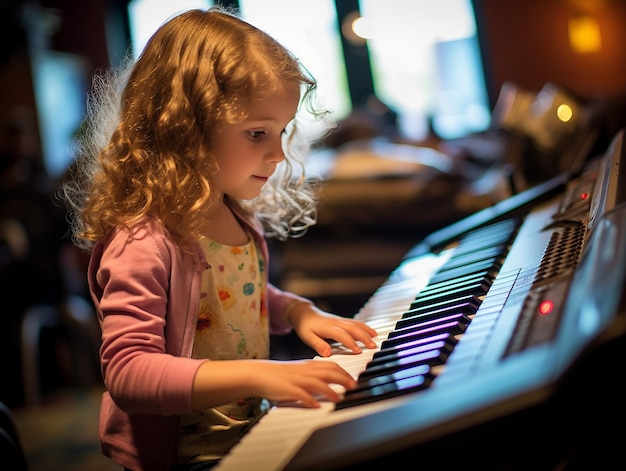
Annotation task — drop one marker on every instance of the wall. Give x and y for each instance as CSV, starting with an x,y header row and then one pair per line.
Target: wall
x,y
526,42
83,29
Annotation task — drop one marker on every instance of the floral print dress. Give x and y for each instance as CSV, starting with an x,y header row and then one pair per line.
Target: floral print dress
x,y
232,324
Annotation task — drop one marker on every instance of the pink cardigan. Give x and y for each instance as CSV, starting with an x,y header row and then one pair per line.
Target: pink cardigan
x,y
146,293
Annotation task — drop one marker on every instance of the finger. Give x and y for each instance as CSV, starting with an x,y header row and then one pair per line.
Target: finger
x,y
323,389
320,345
317,340
355,334
335,374
349,335
309,400
313,387
361,335
364,327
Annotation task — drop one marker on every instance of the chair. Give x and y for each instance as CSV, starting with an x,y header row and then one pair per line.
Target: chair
x,y
77,317
74,315
11,452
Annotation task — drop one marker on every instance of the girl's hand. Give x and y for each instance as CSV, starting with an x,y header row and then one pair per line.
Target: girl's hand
x,y
315,327
302,381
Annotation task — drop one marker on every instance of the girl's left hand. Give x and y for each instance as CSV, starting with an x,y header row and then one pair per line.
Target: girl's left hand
x,y
315,327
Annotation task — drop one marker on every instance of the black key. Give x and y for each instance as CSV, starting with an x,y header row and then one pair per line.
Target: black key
x,y
446,303
475,289
430,357
461,260
398,384
502,230
418,370
444,344
458,317
475,244
491,264
453,328
465,308
398,349
482,279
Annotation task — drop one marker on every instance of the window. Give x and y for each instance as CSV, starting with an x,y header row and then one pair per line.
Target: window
x,y
426,64
60,82
314,41
145,17
424,56
310,32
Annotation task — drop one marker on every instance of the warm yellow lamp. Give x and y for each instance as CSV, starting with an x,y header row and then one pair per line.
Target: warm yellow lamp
x,y
584,34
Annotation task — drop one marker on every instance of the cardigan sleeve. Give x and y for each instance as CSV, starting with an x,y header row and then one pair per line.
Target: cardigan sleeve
x,y
129,278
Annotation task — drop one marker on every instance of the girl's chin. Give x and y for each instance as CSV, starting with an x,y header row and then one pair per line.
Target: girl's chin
x,y
249,196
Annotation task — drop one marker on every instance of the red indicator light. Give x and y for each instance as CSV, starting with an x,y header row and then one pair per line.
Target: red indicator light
x,y
584,196
546,307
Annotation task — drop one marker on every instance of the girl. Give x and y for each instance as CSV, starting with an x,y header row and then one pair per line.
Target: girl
x,y
170,202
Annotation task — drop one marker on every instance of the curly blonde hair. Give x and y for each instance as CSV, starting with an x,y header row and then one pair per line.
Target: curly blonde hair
x,y
145,146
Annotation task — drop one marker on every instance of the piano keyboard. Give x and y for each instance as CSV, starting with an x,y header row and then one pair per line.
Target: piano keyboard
x,y
426,334
272,442
472,329
414,331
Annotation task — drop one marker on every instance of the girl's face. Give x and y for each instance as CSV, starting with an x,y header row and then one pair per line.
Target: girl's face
x,y
248,152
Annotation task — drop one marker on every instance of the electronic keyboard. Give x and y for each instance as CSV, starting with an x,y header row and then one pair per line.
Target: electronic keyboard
x,y
500,345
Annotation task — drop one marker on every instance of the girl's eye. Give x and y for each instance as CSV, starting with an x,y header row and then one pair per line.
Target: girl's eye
x,y
256,134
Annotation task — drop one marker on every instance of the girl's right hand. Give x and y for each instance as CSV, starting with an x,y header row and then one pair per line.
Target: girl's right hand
x,y
302,381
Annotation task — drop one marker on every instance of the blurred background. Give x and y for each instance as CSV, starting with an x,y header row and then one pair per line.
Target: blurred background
x,y
444,108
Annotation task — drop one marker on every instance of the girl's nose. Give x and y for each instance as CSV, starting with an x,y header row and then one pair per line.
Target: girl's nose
x,y
275,153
